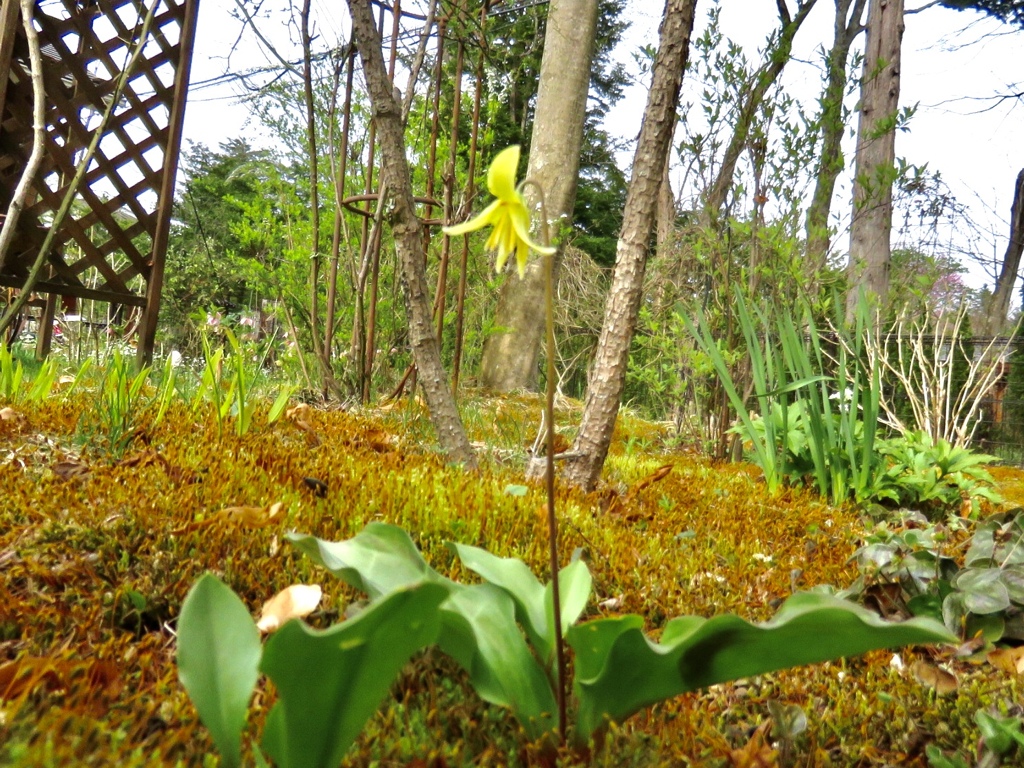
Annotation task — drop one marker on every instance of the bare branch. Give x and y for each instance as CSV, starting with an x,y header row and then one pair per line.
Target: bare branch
x,y
35,159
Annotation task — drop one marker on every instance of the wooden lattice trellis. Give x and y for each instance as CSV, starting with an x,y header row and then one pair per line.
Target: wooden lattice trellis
x,y
111,246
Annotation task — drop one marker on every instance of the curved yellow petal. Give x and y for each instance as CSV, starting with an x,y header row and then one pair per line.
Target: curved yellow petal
x,y
483,219
522,253
501,176
521,222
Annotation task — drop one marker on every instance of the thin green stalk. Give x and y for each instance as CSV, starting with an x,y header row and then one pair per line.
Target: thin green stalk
x,y
549,418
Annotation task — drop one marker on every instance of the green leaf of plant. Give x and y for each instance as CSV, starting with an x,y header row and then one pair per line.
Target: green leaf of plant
x,y
983,590
331,681
378,560
479,631
478,623
218,661
533,601
1013,580
574,583
620,671
1000,734
515,577
280,403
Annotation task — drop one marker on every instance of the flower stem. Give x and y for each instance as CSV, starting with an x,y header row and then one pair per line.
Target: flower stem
x,y
549,421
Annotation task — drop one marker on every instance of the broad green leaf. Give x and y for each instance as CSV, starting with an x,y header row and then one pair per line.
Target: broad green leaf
x,y
331,681
620,671
478,623
532,600
574,583
1013,580
1000,734
480,632
218,661
515,577
983,590
378,560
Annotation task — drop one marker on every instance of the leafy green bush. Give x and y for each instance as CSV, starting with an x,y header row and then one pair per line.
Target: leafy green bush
x,y
836,402
986,594
934,477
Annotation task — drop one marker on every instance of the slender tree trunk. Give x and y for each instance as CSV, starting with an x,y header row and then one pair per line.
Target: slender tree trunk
x,y
666,217
876,156
999,305
831,162
764,79
510,357
608,375
406,229
314,184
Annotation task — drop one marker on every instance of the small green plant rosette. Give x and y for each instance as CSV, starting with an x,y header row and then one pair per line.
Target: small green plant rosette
x,y
619,670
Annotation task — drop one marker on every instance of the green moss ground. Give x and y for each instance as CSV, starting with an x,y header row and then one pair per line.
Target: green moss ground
x,y
96,556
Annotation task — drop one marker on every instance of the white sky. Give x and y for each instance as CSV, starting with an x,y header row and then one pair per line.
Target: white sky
x,y
978,153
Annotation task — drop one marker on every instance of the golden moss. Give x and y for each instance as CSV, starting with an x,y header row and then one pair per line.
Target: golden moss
x,y
96,556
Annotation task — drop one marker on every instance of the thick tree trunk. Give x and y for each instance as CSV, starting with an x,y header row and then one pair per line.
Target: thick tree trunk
x,y
405,227
876,156
999,306
510,356
607,377
831,163
764,79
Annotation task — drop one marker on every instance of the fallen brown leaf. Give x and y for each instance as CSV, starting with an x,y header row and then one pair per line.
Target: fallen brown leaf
x,y
245,516
756,753
69,470
931,676
659,474
1008,659
292,602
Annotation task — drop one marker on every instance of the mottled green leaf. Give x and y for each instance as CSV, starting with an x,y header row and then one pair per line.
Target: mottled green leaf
x,y
331,681
620,671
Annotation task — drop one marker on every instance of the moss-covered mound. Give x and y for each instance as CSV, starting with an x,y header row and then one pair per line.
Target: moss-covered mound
x,y
97,552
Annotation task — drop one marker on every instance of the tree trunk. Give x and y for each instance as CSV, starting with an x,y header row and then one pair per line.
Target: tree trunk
x,y
831,163
876,156
999,306
510,356
666,216
607,377
405,227
764,79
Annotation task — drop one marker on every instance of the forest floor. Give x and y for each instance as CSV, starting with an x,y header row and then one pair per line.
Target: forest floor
x,y
102,534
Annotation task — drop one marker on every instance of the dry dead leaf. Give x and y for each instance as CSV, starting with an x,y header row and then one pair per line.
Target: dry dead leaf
x,y
9,414
24,674
69,470
292,602
659,474
296,410
251,517
931,676
1008,659
756,754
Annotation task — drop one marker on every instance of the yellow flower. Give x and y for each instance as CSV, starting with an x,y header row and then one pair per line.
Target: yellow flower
x,y
508,214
